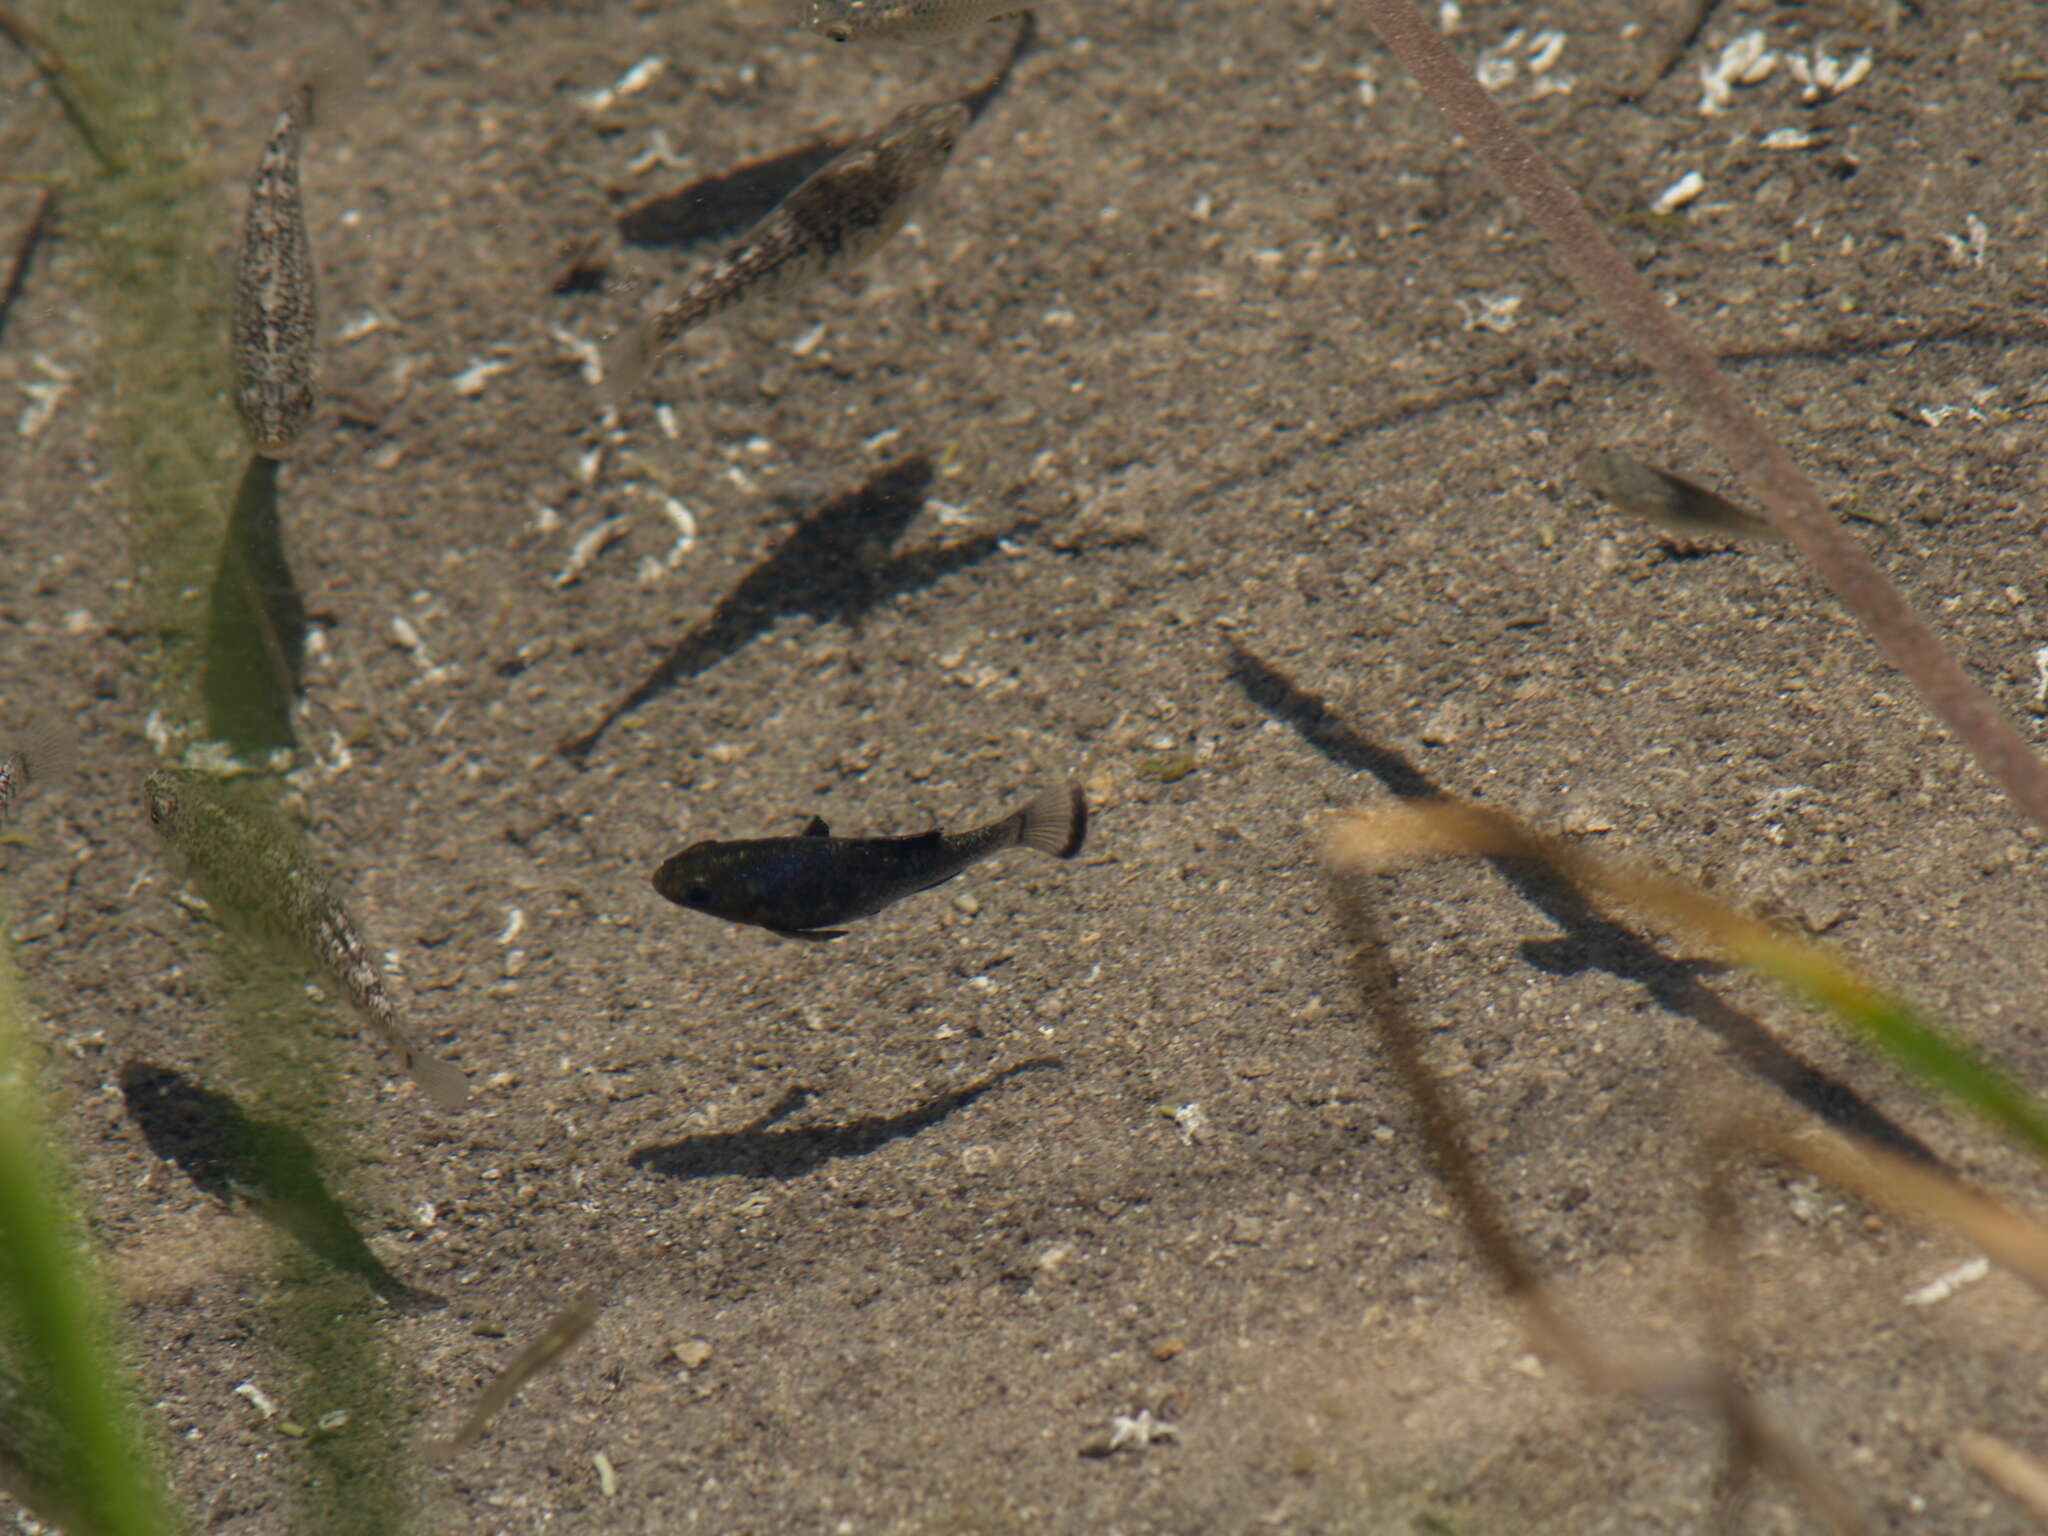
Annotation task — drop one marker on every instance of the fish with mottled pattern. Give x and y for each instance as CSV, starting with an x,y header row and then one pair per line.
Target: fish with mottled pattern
x,y
43,750
275,314
800,887
845,20
830,222
250,868
1670,501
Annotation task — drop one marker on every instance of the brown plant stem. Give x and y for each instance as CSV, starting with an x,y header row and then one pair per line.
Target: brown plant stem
x,y
1647,325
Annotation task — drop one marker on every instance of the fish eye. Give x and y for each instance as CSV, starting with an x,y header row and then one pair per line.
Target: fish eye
x,y
697,896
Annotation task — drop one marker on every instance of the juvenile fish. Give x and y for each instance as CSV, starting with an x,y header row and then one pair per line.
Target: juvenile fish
x,y
800,886
830,222
845,20
275,316
1670,501
251,870
44,750
560,1335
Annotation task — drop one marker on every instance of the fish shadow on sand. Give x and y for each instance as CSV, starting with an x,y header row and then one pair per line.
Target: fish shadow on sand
x,y
1590,940
271,1168
726,205
832,566
758,1152
255,624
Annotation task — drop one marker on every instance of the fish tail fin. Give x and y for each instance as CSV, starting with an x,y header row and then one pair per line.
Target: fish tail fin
x,y
1054,822
48,748
626,360
441,1081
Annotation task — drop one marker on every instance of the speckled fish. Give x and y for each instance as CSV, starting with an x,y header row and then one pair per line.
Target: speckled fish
x,y
41,752
833,220
555,1340
845,20
249,867
800,886
275,316
1670,501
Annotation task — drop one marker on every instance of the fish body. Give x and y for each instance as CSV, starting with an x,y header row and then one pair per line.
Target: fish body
x,y
275,314
564,1329
829,223
845,20
250,867
1670,501
43,751
801,887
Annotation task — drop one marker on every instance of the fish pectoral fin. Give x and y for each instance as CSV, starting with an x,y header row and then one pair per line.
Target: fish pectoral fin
x,y
815,935
817,828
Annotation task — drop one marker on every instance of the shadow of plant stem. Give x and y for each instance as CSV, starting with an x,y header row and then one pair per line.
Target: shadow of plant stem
x,y
1650,328
270,1168
1590,939
255,625
760,1153
831,566
1711,1387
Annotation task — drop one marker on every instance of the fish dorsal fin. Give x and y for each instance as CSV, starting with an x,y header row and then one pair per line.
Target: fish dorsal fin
x,y
817,828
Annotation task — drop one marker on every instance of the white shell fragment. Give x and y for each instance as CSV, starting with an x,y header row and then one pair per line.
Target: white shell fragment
x,y
1788,138
1495,312
589,356
1823,75
1679,193
638,78
587,549
471,380
1746,61
1968,249
1943,1286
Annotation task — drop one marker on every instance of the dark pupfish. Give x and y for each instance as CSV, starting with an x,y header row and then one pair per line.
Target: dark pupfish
x,y
800,887
249,867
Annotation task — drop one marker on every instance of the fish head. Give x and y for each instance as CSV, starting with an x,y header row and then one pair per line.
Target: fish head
x,y
160,799
922,138
703,878
830,18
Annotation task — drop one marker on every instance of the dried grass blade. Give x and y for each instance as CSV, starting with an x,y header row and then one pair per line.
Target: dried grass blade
x,y
1428,829
1649,327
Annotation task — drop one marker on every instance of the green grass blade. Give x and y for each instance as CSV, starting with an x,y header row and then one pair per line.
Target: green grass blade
x,y
56,1325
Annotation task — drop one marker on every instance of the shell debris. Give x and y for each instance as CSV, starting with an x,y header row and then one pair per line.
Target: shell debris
x,y
1679,193
587,548
1746,61
633,81
1822,75
1943,1286
589,356
471,381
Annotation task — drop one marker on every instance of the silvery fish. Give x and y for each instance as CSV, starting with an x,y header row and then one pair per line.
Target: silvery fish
x,y
1670,501
555,1340
43,750
845,20
800,886
275,316
830,222
249,867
